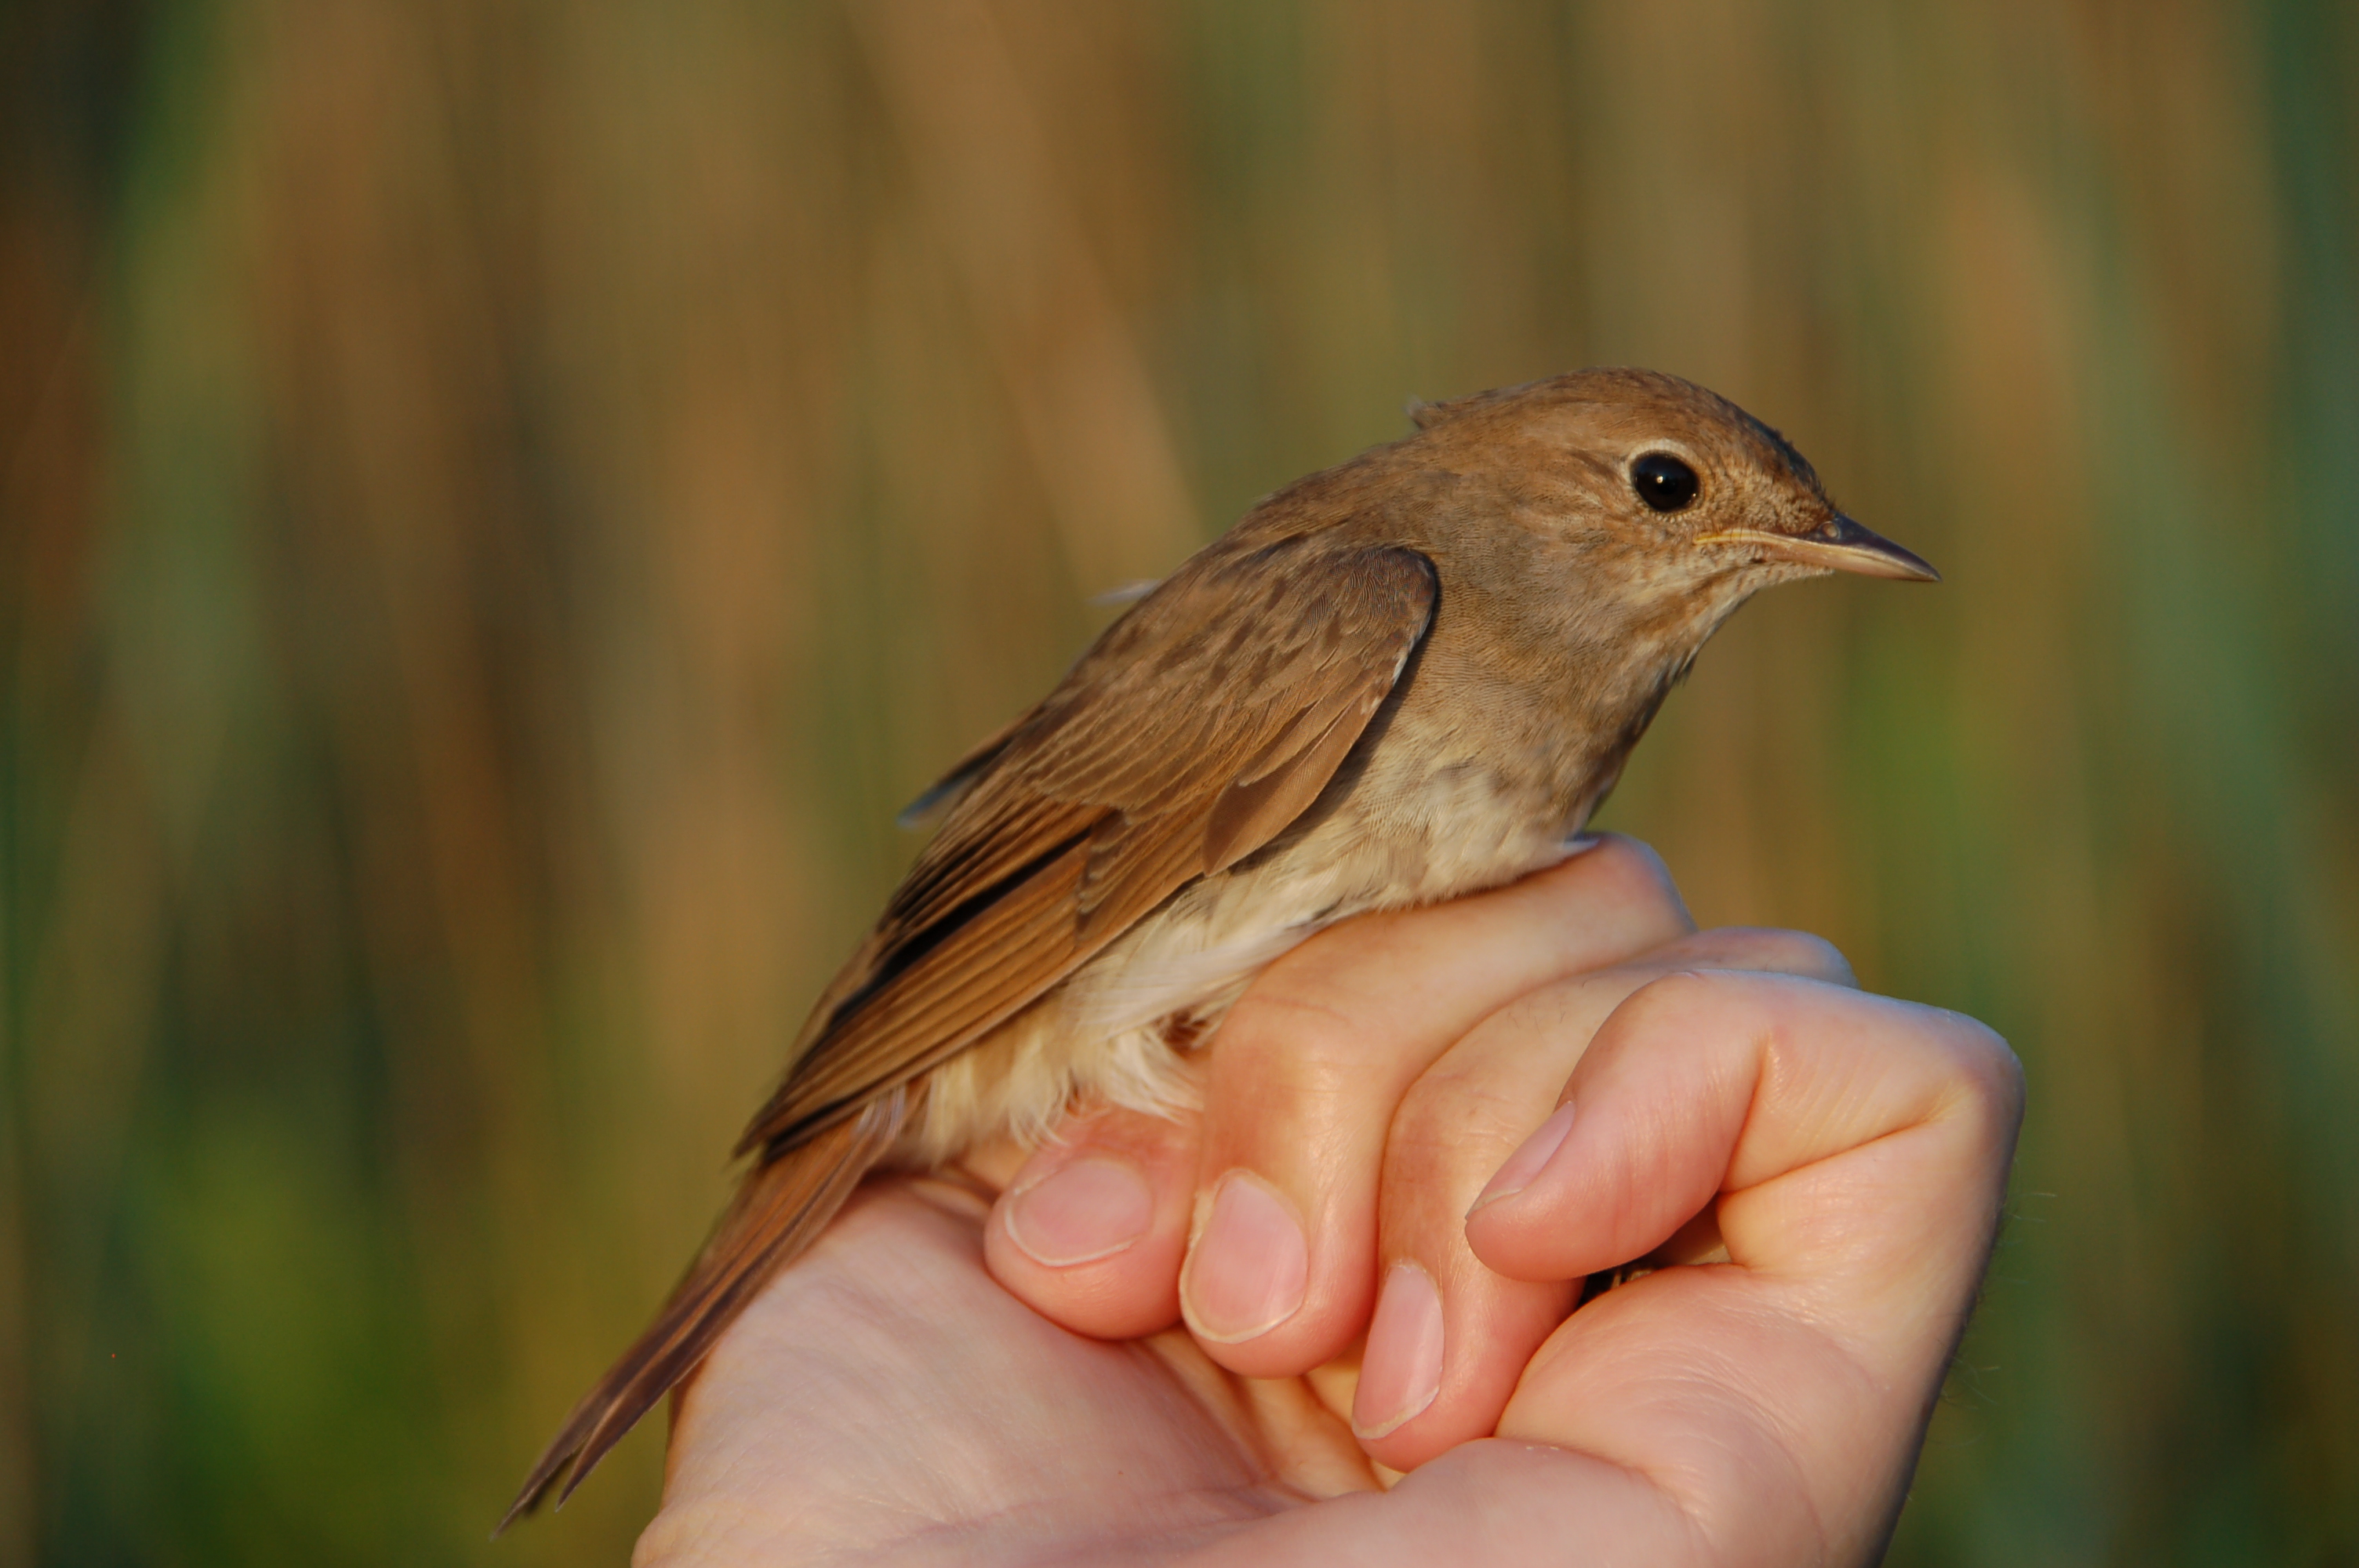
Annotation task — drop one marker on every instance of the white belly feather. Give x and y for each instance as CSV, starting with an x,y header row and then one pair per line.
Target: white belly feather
x,y
1116,1031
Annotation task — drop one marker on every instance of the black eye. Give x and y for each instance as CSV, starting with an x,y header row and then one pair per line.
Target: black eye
x,y
1663,481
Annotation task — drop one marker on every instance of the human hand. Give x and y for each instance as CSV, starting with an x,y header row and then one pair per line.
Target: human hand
x,y
885,1399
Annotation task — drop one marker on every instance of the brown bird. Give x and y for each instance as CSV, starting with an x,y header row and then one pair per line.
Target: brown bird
x,y
1408,678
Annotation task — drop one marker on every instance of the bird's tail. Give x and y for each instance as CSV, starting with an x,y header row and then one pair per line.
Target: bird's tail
x,y
778,1212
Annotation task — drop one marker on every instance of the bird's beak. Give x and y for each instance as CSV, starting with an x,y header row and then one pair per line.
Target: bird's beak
x,y
1837,545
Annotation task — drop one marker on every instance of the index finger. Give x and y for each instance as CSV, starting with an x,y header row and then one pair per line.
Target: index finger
x,y
1309,1067
1859,1149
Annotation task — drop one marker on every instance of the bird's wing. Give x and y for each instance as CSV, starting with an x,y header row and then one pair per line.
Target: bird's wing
x,y
1202,724
1199,727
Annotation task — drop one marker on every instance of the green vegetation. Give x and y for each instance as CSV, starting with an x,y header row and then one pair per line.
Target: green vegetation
x,y
502,501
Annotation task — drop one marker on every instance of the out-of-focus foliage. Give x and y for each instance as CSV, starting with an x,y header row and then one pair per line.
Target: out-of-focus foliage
x,y
502,499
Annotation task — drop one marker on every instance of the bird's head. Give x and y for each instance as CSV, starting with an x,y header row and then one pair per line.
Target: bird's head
x,y
1656,481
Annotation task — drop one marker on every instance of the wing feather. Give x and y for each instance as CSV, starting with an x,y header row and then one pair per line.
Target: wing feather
x,y
1201,725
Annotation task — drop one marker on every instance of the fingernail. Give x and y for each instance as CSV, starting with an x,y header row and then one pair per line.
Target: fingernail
x,y
1529,1157
1247,1271
1080,1212
1401,1369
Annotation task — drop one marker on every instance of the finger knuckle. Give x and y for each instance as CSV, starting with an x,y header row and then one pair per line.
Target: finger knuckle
x,y
1298,1027
1451,1111
1629,871
1803,953
1989,1065
1671,993
1778,950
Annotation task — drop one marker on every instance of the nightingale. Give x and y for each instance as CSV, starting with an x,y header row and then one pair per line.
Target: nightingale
x,y
1407,677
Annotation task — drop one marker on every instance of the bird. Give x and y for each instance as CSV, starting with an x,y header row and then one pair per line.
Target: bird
x,y
1407,677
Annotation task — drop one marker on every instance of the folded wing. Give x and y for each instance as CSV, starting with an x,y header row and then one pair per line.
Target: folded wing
x,y
1200,727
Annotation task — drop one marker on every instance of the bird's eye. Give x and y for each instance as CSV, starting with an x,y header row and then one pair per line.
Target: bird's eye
x,y
1663,481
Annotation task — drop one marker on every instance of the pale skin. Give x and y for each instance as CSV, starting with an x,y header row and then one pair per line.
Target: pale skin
x,y
1110,1351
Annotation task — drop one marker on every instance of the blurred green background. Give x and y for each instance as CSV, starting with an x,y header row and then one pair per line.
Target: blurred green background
x,y
501,499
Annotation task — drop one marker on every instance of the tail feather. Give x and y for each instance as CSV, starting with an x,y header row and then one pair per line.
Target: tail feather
x,y
779,1211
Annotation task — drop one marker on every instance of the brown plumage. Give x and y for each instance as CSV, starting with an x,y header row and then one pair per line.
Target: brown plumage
x,y
1406,679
